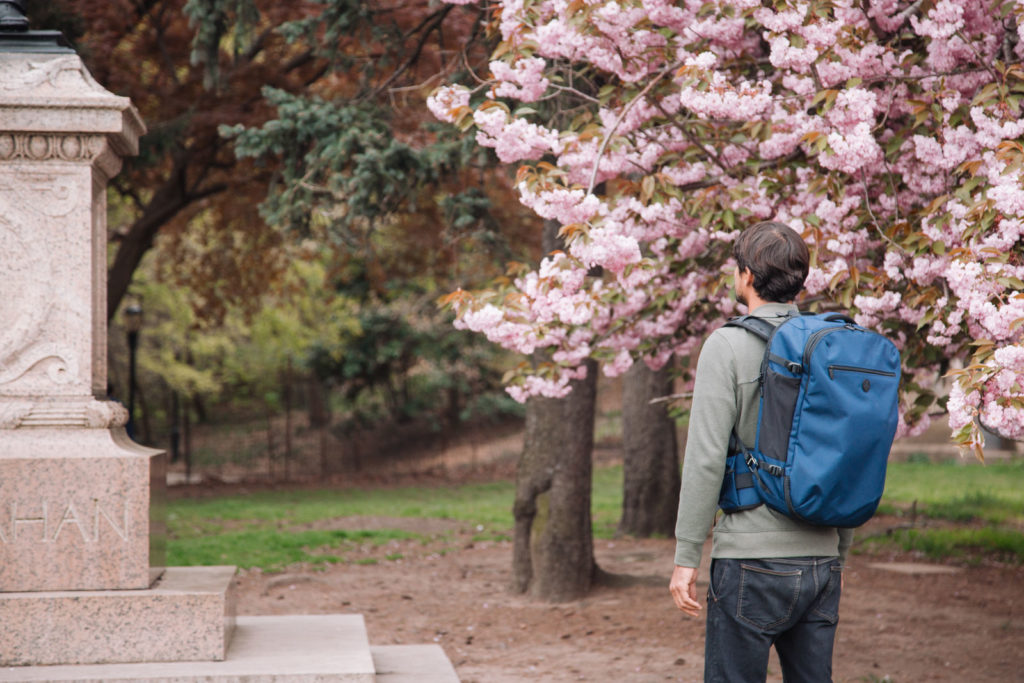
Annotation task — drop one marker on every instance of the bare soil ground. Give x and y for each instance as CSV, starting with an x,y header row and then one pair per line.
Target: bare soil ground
x,y
898,623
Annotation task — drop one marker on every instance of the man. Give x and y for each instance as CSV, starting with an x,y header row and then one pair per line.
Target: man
x,y
774,580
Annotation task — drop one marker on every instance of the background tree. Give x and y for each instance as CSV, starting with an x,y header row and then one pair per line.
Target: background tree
x,y
192,66
398,214
411,209
553,545
141,49
888,134
650,470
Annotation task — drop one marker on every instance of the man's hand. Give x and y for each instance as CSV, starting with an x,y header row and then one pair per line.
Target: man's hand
x,y
684,590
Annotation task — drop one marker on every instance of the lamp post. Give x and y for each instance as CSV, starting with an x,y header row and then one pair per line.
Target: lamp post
x,y
133,323
15,35
12,16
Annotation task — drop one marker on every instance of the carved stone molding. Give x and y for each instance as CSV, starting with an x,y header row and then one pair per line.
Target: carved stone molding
x,y
45,192
44,365
46,76
26,265
89,413
50,146
42,94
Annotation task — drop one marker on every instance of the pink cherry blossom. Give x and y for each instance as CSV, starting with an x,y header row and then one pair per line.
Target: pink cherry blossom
x,y
902,169
447,100
524,80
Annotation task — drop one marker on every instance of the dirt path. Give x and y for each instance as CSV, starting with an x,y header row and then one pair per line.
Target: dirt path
x,y
965,625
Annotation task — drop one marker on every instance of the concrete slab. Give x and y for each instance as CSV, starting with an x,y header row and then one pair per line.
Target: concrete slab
x,y
279,649
413,664
188,615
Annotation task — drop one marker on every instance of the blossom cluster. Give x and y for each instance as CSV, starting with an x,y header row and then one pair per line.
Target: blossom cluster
x,y
888,133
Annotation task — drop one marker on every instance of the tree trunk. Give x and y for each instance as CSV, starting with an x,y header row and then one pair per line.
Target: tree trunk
x,y
650,472
168,200
553,553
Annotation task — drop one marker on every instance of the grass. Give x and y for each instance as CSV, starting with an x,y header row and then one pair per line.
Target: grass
x,y
260,529
488,504
995,488
982,506
979,506
274,549
969,545
956,492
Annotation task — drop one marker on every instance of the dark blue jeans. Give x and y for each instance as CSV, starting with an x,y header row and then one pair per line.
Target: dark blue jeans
x,y
791,603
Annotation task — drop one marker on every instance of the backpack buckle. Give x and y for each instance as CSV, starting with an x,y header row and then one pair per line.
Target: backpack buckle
x,y
753,464
751,461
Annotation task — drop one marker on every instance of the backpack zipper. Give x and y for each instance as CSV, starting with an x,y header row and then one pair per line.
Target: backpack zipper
x,y
850,368
813,340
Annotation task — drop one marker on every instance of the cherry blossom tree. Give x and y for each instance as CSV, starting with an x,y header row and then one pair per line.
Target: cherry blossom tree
x,y
889,133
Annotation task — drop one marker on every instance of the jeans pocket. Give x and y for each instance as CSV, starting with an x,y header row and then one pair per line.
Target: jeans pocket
x,y
826,605
717,579
767,597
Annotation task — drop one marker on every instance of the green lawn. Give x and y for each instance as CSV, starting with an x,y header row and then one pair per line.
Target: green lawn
x,y
274,549
986,503
970,511
259,530
959,491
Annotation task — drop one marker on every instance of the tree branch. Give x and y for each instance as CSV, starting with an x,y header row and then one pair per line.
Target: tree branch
x,y
429,25
622,115
876,28
169,200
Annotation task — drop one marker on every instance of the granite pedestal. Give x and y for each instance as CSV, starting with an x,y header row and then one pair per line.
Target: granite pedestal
x,y
188,615
80,509
81,519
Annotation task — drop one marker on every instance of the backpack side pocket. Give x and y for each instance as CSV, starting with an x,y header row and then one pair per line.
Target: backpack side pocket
x,y
780,397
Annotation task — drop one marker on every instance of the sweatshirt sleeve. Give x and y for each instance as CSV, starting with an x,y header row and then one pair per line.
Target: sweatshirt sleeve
x,y
712,416
845,541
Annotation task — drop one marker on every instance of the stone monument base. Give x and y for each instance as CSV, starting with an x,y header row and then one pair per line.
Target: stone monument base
x,y
80,510
188,615
279,649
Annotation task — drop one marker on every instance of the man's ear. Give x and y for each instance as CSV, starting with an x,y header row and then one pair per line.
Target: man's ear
x,y
747,277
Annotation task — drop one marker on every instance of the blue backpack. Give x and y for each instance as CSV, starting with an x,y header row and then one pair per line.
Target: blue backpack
x,y
826,421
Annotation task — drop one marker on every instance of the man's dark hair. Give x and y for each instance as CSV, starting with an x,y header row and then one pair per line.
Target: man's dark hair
x,y
778,258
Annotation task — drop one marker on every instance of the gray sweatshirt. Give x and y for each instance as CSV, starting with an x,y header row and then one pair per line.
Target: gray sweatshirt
x,y
726,393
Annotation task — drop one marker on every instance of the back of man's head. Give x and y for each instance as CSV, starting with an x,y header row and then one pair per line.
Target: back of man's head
x,y
777,257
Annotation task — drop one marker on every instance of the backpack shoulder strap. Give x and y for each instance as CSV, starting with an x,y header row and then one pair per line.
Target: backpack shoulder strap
x,y
758,326
763,330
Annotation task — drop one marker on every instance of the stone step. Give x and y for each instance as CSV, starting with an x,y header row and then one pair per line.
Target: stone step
x,y
186,616
285,649
412,664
